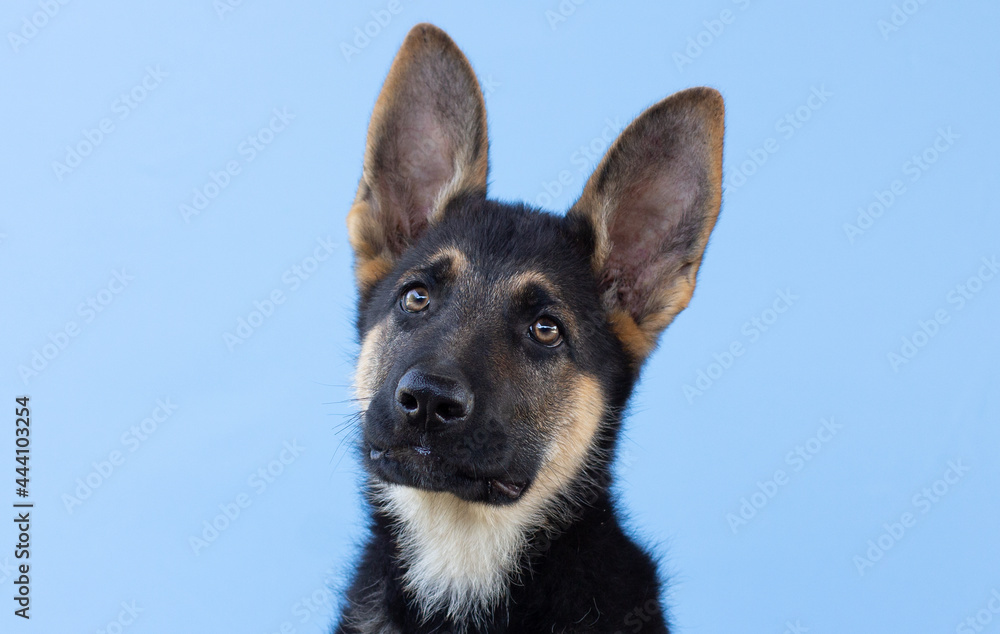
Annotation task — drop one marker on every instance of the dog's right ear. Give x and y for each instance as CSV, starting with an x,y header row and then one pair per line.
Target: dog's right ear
x,y
426,144
651,204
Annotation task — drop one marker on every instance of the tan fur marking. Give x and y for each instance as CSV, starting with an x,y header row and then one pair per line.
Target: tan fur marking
x,y
574,436
522,279
369,272
369,373
459,263
637,343
517,283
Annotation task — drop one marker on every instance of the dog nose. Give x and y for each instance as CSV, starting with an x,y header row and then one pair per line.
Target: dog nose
x,y
433,401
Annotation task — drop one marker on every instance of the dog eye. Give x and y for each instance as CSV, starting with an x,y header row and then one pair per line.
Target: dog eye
x,y
415,300
546,332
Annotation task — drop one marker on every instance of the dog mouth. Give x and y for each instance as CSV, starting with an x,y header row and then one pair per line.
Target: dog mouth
x,y
421,467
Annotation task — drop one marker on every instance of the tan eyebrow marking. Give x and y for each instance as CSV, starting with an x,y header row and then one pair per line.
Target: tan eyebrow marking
x,y
526,278
459,263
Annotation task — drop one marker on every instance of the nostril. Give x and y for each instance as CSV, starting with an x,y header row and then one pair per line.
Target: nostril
x,y
450,410
432,401
408,401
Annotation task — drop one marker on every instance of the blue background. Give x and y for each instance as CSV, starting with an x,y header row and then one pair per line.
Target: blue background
x,y
555,82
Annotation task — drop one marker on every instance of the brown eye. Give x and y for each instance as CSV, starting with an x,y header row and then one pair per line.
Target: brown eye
x,y
415,300
546,332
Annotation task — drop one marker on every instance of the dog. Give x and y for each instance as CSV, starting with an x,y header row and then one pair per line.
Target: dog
x,y
499,345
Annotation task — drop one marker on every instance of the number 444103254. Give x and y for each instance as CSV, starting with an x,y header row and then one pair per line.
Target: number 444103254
x,y
23,444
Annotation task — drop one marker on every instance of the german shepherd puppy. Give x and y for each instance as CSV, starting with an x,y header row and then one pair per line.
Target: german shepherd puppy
x,y
499,346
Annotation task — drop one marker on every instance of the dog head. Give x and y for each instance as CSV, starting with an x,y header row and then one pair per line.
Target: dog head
x,y
499,342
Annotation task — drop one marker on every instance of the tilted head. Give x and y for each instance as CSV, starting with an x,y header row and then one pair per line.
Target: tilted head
x,y
500,342
496,337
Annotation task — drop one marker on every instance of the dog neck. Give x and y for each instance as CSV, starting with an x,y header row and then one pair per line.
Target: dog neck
x,y
460,558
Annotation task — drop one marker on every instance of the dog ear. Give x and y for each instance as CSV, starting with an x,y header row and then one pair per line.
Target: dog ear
x,y
652,202
426,144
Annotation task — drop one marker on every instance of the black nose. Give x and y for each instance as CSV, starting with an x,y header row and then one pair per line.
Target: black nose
x,y
433,400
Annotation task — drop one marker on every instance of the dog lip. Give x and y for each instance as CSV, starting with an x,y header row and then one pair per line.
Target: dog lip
x,y
511,490
422,458
376,453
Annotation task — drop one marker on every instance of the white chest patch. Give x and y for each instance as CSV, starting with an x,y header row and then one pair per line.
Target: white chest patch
x,y
460,555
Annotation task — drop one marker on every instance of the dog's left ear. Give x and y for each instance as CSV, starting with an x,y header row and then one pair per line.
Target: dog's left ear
x,y
426,144
651,203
